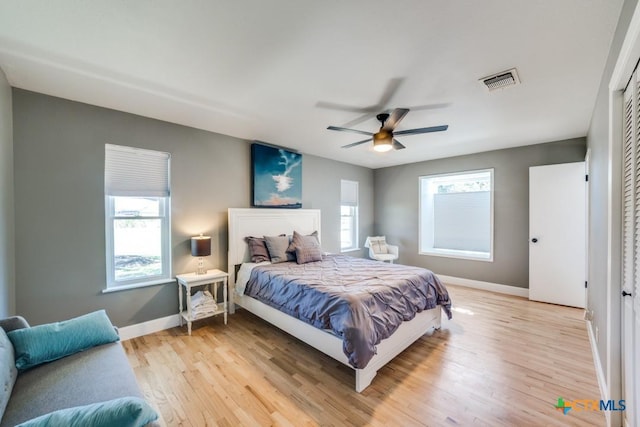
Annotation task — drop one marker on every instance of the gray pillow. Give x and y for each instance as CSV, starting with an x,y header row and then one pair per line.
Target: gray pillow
x,y
8,371
308,254
277,246
257,249
302,241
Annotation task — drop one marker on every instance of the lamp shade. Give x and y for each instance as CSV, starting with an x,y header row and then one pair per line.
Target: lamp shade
x,y
382,141
201,246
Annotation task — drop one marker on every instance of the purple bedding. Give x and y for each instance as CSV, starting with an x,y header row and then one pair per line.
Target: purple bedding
x,y
361,301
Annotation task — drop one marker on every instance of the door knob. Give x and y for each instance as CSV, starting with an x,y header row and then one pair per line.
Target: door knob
x,y
626,294
534,240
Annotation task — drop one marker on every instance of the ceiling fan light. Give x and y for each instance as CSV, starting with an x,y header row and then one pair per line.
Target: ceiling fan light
x,y
382,147
382,141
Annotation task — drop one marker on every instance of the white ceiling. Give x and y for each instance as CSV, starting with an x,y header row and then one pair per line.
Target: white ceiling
x,y
263,70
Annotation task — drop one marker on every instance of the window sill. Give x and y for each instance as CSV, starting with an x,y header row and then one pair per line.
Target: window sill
x,y
344,251
138,285
466,255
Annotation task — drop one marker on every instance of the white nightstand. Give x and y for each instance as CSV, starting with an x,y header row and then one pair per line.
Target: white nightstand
x,y
191,280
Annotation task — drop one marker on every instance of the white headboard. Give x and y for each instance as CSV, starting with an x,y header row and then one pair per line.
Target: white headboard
x,y
259,222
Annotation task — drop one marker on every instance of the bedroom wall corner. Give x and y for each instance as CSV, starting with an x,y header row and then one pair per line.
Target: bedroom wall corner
x,y
7,239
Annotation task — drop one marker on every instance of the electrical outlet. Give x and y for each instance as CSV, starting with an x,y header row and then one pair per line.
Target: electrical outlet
x,y
597,334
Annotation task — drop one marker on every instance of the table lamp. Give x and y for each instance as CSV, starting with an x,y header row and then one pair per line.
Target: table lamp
x,y
201,247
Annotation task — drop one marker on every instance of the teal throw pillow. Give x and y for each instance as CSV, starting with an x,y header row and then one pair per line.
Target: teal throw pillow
x,y
122,412
45,343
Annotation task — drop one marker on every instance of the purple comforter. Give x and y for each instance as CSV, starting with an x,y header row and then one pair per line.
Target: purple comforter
x,y
360,300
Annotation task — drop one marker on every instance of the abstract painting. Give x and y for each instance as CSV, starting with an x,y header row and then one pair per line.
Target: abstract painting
x,y
277,177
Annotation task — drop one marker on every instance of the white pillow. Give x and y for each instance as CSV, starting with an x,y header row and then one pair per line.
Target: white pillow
x,y
378,245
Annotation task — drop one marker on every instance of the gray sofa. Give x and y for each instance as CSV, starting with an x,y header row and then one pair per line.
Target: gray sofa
x,y
99,374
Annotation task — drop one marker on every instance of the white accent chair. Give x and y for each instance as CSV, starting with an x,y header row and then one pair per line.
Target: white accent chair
x,y
380,250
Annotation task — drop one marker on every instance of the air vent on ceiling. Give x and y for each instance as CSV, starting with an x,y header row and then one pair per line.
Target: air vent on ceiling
x,y
501,80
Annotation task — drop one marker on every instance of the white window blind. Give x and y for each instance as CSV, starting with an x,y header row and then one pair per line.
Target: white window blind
x,y
136,172
348,193
456,215
348,215
462,221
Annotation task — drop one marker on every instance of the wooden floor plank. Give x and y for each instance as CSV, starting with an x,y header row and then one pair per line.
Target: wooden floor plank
x,y
501,361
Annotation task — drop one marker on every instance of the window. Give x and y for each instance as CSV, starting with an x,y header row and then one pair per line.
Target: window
x,y
348,215
137,212
456,215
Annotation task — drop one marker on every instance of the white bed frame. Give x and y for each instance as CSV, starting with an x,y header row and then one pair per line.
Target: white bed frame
x,y
272,222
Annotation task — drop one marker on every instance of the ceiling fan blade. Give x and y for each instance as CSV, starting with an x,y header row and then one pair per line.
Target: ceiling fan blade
x,y
370,111
422,130
349,130
357,143
397,145
362,118
394,118
389,91
341,107
431,106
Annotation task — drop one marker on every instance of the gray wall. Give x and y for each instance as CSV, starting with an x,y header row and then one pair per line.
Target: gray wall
x,y
597,141
7,259
397,208
59,203
322,191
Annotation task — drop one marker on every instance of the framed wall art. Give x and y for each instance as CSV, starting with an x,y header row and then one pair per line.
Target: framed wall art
x,y
276,177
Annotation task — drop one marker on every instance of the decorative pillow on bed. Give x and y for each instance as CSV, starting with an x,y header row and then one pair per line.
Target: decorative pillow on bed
x,y
45,343
302,241
378,244
308,254
277,246
257,249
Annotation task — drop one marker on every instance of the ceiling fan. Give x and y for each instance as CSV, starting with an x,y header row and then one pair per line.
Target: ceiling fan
x,y
384,140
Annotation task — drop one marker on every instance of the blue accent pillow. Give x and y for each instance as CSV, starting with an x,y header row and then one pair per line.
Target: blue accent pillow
x,y
45,343
122,412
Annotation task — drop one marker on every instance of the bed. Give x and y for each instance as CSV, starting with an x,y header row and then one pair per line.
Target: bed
x,y
273,222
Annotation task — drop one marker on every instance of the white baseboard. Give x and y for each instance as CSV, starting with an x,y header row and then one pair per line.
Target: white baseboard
x,y
156,325
602,383
487,286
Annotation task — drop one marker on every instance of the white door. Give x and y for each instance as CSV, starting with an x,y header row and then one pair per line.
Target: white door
x,y
557,245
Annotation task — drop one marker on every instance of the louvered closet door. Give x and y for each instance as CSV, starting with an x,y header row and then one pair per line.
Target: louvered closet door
x,y
631,250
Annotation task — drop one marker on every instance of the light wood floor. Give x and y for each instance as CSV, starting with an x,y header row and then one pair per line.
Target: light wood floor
x,y
501,361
